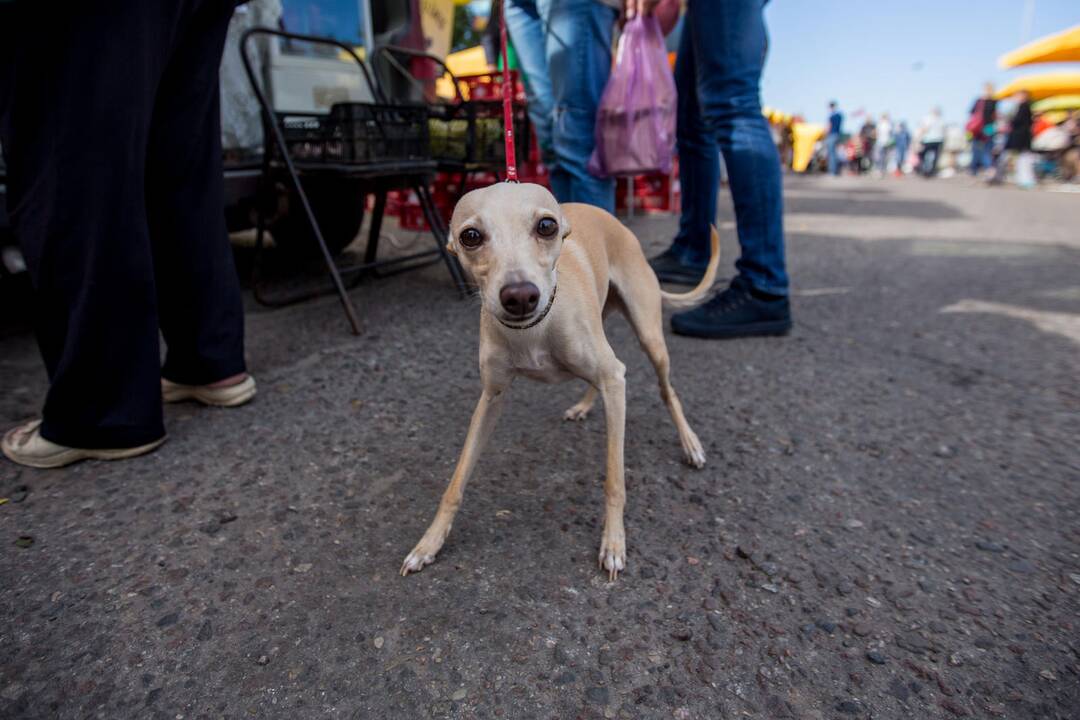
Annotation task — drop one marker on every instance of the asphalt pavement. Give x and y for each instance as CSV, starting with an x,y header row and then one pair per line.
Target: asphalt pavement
x,y
888,525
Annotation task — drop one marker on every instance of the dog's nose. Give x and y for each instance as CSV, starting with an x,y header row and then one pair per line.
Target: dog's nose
x,y
519,298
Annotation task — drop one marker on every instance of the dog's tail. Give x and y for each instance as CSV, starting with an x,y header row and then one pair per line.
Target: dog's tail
x,y
681,301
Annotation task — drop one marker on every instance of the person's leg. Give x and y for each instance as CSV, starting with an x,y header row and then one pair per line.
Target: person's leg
x,y
75,138
198,290
527,32
1025,169
830,148
729,42
578,43
935,154
984,154
699,163
699,179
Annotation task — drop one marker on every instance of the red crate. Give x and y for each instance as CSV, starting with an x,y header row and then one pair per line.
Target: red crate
x,y
653,193
488,86
411,217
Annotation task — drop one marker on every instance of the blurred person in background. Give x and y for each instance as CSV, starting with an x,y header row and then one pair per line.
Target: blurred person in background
x,y
1018,144
981,127
931,138
832,138
564,49
718,77
787,143
852,153
1070,158
884,144
110,126
867,145
902,141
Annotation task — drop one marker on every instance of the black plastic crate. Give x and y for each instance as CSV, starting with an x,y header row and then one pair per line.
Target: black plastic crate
x,y
471,132
358,134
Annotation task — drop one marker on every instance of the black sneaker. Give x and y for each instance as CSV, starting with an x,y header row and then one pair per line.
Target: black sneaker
x,y
735,312
670,268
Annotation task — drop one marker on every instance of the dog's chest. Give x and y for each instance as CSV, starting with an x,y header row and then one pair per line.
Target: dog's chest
x,y
538,364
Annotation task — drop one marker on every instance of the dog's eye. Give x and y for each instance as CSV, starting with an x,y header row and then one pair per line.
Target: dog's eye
x,y
547,227
471,238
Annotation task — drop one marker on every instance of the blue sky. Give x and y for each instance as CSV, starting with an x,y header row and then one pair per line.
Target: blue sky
x,y
900,57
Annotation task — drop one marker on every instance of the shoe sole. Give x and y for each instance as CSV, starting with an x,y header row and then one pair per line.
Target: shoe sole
x,y
230,396
769,329
74,455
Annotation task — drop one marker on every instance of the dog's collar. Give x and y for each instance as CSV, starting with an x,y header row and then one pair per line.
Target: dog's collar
x,y
539,318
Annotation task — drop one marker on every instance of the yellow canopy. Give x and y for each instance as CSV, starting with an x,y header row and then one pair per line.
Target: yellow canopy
x,y
1043,86
804,136
1055,116
1059,47
471,61
1057,102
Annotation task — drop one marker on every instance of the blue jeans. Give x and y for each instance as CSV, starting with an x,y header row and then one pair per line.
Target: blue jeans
x,y
832,143
718,74
564,49
928,158
980,155
901,154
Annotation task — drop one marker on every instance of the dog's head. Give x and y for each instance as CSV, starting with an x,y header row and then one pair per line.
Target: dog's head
x,y
508,237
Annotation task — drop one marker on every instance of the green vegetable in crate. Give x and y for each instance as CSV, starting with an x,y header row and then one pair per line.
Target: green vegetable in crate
x,y
448,138
489,138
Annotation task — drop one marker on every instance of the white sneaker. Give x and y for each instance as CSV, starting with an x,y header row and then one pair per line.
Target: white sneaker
x,y
225,396
25,445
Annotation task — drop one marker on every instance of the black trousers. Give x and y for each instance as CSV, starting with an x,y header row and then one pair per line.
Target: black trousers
x,y
111,134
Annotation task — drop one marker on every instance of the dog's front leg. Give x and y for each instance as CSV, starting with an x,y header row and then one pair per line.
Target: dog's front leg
x,y
483,421
613,545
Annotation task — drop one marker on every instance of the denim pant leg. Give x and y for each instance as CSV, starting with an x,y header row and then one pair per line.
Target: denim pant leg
x,y
978,155
578,45
729,44
699,162
933,151
527,32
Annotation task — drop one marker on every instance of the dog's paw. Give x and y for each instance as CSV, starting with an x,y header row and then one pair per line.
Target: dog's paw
x,y
429,546
423,554
415,561
693,452
613,554
577,413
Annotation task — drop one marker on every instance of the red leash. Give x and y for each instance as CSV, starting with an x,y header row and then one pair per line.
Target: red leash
x,y
508,103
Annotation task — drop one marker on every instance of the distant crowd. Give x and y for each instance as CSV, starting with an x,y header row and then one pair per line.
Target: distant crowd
x,y
1002,141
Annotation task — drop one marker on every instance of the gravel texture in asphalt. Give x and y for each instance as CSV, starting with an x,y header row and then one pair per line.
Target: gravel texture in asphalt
x,y
888,525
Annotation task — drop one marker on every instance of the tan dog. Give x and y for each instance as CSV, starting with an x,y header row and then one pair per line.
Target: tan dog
x,y
549,274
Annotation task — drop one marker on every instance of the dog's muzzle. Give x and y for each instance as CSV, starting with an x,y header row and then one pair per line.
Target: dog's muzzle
x,y
536,320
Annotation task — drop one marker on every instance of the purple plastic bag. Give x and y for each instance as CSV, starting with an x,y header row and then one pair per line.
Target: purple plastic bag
x,y
635,124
